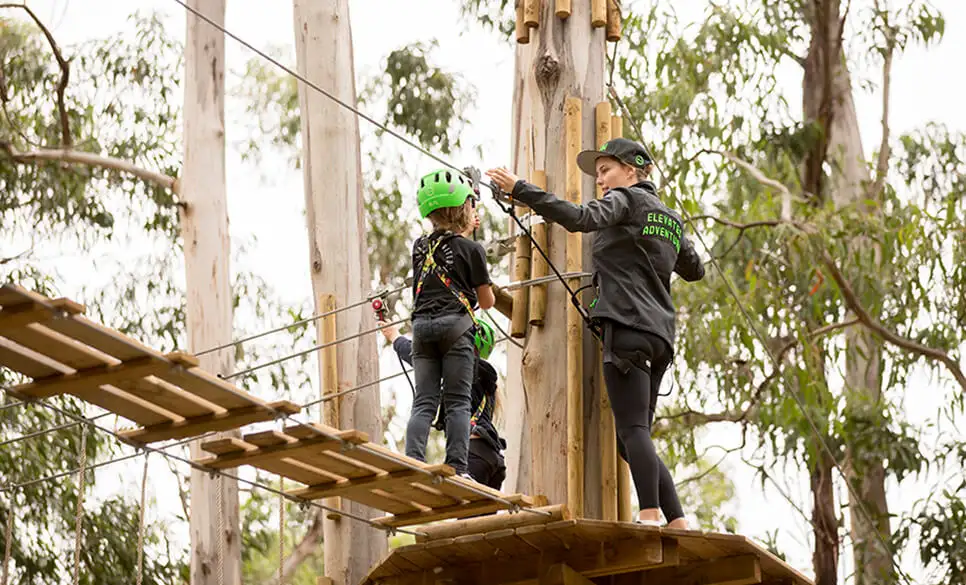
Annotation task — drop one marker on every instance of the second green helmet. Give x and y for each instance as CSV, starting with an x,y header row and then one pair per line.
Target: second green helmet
x,y
484,339
442,188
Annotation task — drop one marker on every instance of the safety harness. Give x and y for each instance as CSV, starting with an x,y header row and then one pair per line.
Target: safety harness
x,y
431,267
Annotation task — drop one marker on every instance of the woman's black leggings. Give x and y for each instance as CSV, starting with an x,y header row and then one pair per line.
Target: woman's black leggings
x,y
632,372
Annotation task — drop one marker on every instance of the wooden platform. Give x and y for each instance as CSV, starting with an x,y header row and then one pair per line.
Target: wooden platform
x,y
167,395
347,465
584,552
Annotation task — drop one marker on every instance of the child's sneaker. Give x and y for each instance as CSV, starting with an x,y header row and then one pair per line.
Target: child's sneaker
x,y
468,477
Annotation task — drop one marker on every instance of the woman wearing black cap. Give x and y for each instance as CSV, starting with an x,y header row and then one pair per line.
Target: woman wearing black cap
x,y
639,243
485,462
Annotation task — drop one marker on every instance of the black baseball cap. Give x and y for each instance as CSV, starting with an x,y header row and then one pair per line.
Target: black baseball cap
x,y
624,150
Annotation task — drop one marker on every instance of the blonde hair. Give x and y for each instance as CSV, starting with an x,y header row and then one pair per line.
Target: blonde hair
x,y
455,219
645,173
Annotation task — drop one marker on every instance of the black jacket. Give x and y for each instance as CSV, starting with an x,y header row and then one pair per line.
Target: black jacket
x,y
639,243
484,385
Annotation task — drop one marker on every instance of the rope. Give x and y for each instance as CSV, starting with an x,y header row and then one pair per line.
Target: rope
x,y
732,290
8,541
50,430
311,349
144,492
80,505
315,317
218,483
281,530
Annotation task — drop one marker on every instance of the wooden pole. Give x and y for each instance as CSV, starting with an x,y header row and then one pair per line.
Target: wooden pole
x,y
329,366
598,13
562,9
538,266
531,13
575,331
616,126
624,485
602,129
608,438
521,296
521,29
613,21
484,524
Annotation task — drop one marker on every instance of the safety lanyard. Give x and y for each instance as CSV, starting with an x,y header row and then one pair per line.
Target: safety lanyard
x,y
479,411
430,266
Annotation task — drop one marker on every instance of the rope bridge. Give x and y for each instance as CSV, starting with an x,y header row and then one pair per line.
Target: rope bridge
x,y
468,531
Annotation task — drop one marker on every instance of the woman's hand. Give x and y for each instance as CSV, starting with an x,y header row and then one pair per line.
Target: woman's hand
x,y
503,178
390,332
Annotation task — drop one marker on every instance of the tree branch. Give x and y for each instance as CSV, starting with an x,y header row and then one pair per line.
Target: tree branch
x,y
64,65
304,549
882,166
692,418
71,156
880,330
786,213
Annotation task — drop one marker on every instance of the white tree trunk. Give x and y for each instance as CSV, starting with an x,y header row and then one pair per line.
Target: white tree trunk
x,y
215,542
565,58
337,248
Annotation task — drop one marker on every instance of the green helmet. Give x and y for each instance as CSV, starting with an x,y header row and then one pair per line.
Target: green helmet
x,y
484,339
442,188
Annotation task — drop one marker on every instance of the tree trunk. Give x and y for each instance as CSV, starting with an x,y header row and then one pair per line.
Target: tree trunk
x,y
825,558
337,249
564,58
215,542
828,99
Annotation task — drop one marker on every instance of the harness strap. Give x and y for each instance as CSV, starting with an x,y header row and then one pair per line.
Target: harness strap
x,y
430,266
623,360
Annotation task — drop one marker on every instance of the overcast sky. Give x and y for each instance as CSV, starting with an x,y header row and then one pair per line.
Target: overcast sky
x,y
925,88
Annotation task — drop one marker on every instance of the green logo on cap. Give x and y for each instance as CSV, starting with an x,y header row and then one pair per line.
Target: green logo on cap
x,y
604,147
639,160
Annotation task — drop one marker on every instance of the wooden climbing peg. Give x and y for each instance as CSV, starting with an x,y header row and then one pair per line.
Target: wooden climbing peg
x,y
598,13
613,29
522,31
531,13
602,128
329,362
538,265
616,126
562,8
521,296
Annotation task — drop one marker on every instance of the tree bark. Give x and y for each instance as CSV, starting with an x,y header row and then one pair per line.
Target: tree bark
x,y
215,542
829,101
825,558
564,58
337,248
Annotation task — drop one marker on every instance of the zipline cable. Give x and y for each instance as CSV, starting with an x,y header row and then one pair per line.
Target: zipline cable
x,y
733,291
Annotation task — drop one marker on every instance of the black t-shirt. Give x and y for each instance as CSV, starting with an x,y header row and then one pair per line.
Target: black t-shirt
x,y
463,260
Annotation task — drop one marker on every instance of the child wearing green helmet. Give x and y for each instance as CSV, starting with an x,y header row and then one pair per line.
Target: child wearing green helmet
x,y
450,277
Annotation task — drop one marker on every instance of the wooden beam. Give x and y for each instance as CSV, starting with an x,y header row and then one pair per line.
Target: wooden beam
x,y
291,450
16,316
598,13
490,523
382,481
521,29
538,265
91,378
329,363
608,454
736,570
531,13
224,421
575,349
521,296
613,30
616,126
485,506
561,574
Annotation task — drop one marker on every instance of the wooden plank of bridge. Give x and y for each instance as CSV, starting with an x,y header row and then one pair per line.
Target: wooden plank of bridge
x,y
168,395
